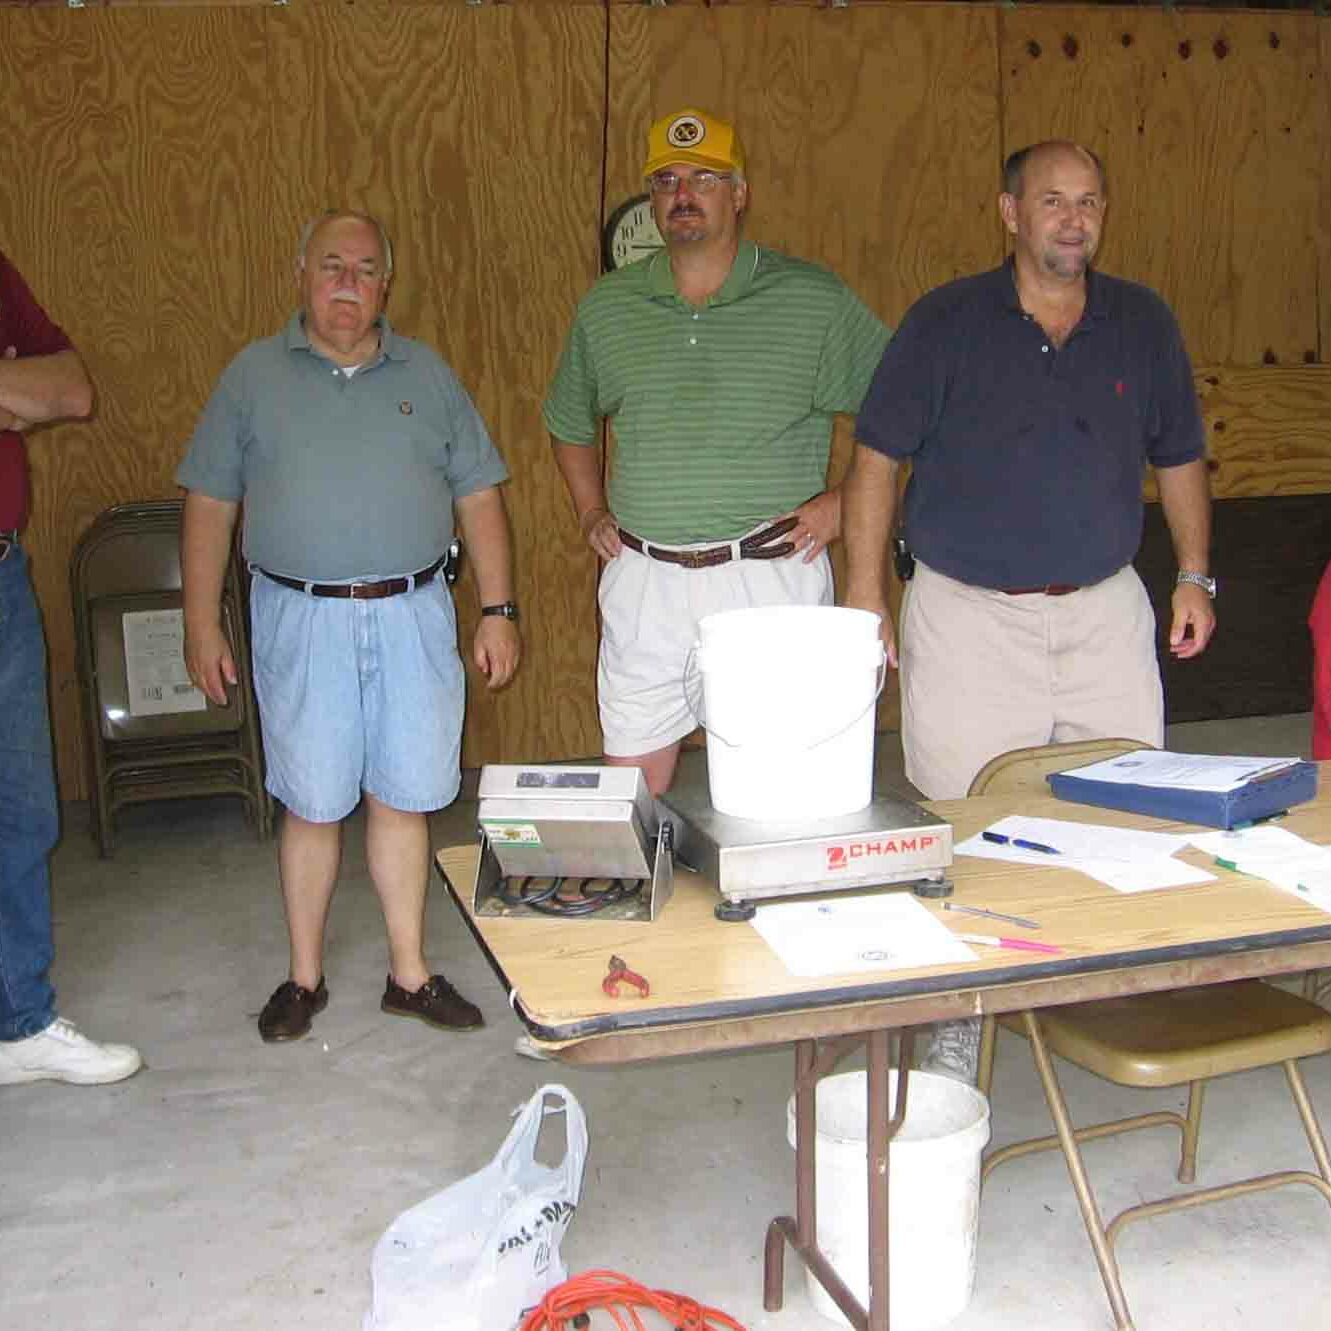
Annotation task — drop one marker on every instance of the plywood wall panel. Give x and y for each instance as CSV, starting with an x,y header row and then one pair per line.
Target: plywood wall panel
x,y
161,160
1209,126
138,207
1322,110
871,132
476,135
1268,429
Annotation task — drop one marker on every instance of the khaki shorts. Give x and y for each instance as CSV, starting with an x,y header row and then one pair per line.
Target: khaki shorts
x,y
983,672
649,627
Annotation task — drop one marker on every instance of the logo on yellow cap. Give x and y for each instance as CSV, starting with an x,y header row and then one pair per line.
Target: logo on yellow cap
x,y
686,132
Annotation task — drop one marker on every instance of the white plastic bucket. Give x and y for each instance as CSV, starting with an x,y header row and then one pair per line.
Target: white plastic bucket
x,y
789,695
933,1202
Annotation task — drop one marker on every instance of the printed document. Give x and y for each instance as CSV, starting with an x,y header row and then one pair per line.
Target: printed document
x,y
891,931
1180,771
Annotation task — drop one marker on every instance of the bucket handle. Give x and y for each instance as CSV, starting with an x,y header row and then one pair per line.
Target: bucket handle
x,y
695,711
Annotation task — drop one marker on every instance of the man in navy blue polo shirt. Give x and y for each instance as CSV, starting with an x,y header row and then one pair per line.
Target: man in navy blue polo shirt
x,y
1028,401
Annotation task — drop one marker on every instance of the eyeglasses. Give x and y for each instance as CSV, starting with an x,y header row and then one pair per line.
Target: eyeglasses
x,y
700,182
334,270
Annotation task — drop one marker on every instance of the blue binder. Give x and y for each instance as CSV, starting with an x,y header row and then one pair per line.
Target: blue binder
x,y
1259,798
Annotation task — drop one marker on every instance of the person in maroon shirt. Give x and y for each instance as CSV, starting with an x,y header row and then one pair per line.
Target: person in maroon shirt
x,y
41,379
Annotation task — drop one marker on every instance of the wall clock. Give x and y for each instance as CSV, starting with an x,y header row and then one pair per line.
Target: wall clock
x,y
630,234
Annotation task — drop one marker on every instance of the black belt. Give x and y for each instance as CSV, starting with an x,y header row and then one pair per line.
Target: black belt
x,y
8,541
360,591
751,547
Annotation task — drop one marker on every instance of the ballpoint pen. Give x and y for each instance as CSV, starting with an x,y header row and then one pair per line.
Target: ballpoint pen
x,y
992,915
1020,843
1015,944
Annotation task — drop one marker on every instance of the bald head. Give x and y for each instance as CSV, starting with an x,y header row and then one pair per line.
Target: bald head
x,y
1036,154
316,225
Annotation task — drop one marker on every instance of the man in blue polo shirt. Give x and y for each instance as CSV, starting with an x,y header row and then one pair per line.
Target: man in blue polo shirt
x,y
1028,401
353,449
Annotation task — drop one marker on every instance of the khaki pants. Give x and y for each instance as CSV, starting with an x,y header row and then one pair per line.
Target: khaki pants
x,y
982,673
649,627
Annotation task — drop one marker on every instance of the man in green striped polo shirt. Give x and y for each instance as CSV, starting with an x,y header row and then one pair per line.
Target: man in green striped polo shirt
x,y
721,365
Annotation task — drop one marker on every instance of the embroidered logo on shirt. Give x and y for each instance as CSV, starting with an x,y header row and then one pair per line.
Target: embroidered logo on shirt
x,y
405,408
1119,387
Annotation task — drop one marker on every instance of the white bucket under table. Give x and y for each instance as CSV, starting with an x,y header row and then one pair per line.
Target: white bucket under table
x,y
933,1195
789,694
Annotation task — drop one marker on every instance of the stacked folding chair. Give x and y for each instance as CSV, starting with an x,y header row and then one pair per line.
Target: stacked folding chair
x,y
150,734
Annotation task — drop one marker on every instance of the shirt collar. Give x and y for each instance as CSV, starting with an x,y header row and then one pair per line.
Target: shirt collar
x,y
391,345
1097,292
661,278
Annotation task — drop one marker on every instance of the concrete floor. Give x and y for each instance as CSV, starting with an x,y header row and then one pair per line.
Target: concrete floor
x,y
234,1186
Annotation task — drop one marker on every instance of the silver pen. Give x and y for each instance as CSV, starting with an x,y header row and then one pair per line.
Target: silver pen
x,y
992,915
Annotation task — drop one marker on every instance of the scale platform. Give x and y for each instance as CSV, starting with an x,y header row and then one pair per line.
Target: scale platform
x,y
891,841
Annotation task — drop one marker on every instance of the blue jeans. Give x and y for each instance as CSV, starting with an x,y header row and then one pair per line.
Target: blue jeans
x,y
29,814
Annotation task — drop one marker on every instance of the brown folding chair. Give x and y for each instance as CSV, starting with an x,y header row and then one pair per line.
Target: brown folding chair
x,y
141,749
1153,1040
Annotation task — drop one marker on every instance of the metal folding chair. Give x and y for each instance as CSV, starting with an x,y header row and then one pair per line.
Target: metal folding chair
x,y
141,749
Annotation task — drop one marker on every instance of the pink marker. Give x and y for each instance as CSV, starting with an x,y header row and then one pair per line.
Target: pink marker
x,y
1015,944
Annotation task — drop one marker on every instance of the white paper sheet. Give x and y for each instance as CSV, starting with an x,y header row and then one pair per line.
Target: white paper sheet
x,y
1120,857
155,664
1279,856
1145,875
1180,771
857,933
1085,841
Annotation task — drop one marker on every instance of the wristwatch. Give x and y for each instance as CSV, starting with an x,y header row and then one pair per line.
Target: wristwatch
x,y
1207,584
509,609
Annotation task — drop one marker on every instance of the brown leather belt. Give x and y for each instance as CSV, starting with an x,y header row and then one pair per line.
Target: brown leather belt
x,y
360,591
751,547
8,540
1050,589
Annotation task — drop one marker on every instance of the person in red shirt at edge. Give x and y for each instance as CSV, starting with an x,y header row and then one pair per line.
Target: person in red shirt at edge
x,y
1319,620
41,379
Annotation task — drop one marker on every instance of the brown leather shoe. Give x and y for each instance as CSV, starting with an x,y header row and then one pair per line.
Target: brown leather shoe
x,y
288,1013
436,1002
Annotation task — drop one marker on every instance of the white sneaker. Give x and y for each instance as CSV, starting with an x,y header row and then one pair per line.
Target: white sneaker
x,y
954,1050
528,1048
63,1053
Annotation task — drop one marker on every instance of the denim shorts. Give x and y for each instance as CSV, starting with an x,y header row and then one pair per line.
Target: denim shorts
x,y
358,695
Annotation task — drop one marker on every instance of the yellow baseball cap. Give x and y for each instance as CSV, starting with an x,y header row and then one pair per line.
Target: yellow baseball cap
x,y
694,137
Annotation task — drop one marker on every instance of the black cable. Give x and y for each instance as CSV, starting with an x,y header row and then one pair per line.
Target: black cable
x,y
545,897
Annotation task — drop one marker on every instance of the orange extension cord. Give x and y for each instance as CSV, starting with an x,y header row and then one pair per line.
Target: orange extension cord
x,y
621,1297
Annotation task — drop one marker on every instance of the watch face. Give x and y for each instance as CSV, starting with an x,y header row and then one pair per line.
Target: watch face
x,y
630,234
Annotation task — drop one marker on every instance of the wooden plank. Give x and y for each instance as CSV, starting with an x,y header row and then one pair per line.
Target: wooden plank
x,y
1213,129
492,200
141,214
1268,429
1322,109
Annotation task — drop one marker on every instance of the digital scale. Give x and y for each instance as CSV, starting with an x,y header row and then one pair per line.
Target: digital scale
x,y
890,841
589,826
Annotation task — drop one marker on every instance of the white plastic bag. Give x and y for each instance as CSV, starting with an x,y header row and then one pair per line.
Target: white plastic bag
x,y
477,1255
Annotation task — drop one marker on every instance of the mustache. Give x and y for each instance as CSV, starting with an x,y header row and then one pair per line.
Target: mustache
x,y
685,210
